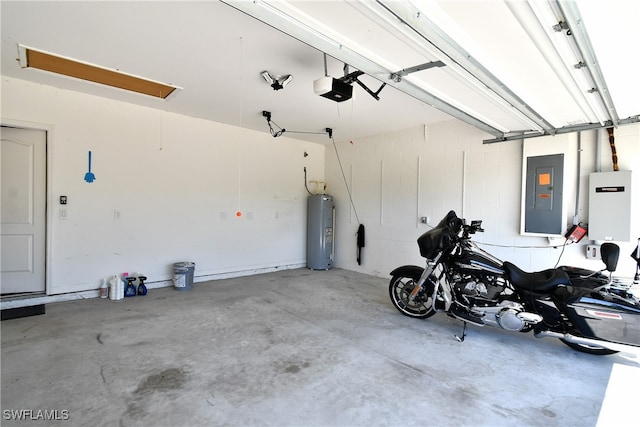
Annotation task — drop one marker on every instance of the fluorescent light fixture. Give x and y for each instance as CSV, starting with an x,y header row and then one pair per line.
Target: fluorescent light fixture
x,y
34,58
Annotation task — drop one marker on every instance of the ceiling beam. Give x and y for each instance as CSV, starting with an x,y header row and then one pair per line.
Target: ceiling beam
x,y
565,129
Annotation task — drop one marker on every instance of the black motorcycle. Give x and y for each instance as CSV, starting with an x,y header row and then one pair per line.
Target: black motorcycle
x,y
585,309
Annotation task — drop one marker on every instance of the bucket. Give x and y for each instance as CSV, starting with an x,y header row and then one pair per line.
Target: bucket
x,y
183,275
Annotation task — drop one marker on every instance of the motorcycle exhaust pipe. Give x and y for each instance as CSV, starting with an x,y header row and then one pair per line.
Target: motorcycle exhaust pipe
x,y
584,341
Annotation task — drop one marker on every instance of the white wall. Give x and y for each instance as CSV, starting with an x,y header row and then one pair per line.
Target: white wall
x,y
176,183
397,178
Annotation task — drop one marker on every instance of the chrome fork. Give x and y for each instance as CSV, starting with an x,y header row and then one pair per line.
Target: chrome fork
x,y
431,265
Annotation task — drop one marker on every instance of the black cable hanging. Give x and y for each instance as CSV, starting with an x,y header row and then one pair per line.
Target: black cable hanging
x,y
360,234
344,177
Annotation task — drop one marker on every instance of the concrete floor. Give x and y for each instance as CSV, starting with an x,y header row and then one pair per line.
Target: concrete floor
x,y
291,348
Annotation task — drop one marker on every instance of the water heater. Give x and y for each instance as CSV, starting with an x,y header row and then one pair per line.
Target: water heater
x,y
320,224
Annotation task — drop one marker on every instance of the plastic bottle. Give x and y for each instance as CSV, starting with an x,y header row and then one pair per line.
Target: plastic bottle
x,y
120,288
130,291
104,289
125,275
114,288
142,288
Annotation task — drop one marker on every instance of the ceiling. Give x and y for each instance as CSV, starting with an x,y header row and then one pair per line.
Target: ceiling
x,y
505,70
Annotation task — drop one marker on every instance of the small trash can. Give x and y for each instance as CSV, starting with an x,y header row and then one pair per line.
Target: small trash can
x,y
183,275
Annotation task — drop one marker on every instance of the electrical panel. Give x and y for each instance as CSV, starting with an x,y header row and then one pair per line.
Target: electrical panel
x,y
542,204
610,206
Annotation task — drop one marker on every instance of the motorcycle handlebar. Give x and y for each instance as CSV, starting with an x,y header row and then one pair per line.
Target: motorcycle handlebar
x,y
475,226
461,231
449,231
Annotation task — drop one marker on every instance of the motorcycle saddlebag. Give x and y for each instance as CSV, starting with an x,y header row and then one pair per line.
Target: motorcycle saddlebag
x,y
605,317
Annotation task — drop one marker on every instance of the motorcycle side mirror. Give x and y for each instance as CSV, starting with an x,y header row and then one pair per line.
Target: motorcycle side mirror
x,y
609,252
476,225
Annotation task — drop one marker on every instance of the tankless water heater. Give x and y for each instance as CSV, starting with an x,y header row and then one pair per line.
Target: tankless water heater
x,y
610,206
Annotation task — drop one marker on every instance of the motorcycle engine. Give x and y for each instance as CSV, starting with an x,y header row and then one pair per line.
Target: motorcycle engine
x,y
481,288
482,294
509,315
508,319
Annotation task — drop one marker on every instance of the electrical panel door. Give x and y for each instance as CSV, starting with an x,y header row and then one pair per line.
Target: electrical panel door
x,y
543,196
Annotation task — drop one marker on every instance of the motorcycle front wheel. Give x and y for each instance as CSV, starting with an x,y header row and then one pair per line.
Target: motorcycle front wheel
x,y
597,351
400,289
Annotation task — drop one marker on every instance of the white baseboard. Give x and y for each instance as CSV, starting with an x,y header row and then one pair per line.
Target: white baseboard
x,y
30,300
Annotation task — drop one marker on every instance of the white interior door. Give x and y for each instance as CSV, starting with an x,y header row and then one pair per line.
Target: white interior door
x,y
23,210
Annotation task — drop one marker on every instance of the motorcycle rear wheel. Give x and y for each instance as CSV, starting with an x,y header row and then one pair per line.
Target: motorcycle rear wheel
x,y
400,289
597,351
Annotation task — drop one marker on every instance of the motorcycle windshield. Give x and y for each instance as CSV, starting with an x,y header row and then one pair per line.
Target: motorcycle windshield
x,y
440,237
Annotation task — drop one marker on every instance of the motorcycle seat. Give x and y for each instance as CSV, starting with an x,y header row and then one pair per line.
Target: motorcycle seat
x,y
543,281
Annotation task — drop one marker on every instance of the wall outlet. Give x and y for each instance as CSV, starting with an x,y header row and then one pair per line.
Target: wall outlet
x,y
593,251
424,220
